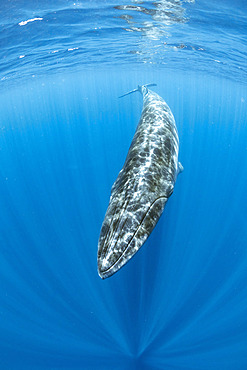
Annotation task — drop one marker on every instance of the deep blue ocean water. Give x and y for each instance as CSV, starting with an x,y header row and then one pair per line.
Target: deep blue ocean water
x,y
181,302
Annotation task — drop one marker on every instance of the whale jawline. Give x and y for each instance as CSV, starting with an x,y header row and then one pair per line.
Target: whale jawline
x,y
111,270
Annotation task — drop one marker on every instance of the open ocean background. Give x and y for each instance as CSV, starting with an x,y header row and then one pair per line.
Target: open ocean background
x,y
181,302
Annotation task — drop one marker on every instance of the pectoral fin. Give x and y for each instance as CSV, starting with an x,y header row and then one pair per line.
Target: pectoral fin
x,y
180,168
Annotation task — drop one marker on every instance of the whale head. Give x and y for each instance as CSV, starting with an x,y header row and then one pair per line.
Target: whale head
x,y
126,227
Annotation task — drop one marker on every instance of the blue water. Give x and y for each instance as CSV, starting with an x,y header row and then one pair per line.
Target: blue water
x,y
181,302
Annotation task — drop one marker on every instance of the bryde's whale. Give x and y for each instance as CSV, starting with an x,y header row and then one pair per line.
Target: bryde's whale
x,y
143,186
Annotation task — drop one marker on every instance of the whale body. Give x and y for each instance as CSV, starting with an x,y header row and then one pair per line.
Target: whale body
x,y
143,186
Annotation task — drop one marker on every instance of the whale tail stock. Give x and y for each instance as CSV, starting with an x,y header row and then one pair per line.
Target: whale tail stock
x,y
140,89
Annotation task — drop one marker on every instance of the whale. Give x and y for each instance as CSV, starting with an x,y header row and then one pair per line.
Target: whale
x,y
143,186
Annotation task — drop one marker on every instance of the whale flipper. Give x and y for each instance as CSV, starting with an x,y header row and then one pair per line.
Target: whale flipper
x,y
180,167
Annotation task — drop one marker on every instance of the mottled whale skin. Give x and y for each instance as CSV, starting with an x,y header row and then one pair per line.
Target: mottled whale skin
x,y
143,186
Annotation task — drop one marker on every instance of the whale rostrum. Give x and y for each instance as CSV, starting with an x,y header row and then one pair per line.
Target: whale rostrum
x,y
143,186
